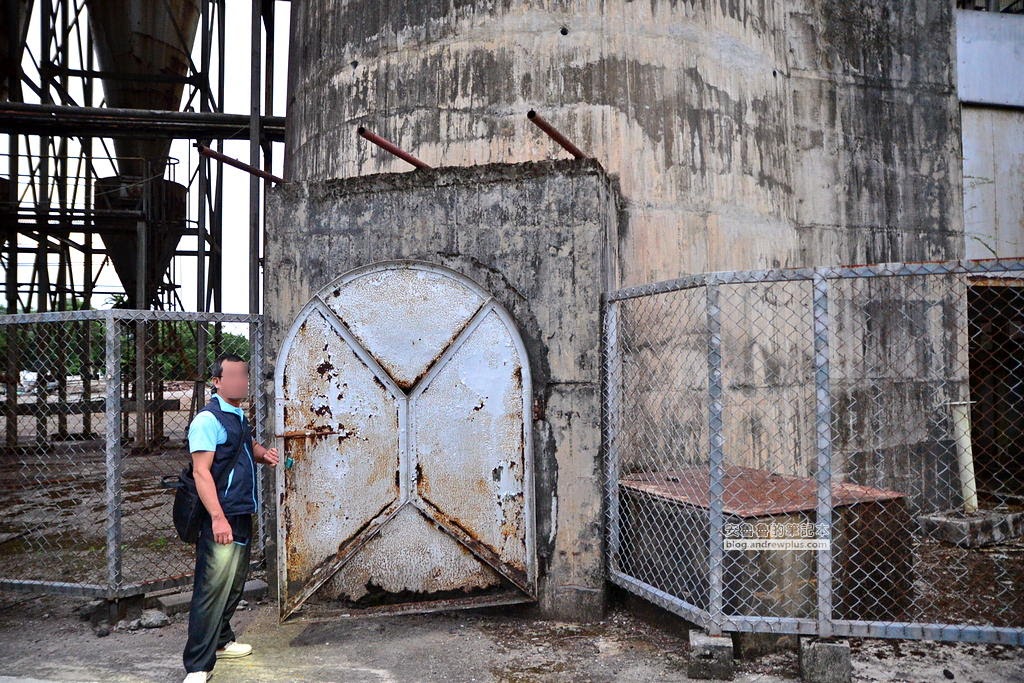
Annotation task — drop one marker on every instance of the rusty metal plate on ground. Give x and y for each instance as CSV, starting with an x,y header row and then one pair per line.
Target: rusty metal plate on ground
x,y
402,395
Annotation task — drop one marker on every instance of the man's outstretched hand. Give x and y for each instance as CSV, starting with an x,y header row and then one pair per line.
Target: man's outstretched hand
x,y
268,457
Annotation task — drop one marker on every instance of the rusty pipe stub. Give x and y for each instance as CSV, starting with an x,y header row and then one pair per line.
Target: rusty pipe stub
x,y
555,135
391,147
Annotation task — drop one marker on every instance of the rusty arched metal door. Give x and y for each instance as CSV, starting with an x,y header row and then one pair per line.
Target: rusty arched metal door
x,y
402,397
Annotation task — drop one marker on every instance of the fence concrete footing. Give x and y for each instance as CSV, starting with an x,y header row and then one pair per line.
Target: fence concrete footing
x,y
983,528
710,657
825,661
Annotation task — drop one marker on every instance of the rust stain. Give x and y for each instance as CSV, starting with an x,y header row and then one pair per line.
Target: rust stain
x,y
471,537
512,513
295,557
295,447
345,433
359,531
501,510
422,482
311,432
380,472
440,519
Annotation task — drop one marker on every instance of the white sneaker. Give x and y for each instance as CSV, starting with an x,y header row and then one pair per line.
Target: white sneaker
x,y
198,677
234,650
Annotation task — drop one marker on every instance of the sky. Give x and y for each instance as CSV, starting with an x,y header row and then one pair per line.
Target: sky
x,y
236,182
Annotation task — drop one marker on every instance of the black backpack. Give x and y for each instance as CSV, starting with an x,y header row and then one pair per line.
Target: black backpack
x,y
189,512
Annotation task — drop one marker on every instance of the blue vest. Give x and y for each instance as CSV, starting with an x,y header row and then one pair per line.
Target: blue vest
x,y
238,496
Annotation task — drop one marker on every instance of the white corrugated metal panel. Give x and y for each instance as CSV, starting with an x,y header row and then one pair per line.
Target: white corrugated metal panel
x,y
993,148
990,57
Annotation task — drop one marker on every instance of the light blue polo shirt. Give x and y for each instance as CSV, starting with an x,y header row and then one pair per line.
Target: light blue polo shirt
x,y
206,432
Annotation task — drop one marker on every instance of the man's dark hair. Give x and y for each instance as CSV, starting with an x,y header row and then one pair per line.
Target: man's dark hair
x,y
217,369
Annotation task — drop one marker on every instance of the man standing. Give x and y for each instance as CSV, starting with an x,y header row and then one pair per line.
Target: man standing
x,y
218,432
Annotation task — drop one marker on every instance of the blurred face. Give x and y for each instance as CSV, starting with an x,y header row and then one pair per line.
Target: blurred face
x,y
233,383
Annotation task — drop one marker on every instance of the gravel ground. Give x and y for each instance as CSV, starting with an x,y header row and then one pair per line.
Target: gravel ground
x,y
42,639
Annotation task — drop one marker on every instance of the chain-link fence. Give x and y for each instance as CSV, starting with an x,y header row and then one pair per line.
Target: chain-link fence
x,y
827,451
96,409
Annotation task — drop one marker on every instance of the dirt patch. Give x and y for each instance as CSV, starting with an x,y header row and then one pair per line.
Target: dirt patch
x,y
41,638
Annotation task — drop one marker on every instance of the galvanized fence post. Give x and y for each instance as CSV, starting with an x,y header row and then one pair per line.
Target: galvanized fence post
x,y
823,430
112,406
260,414
716,457
613,375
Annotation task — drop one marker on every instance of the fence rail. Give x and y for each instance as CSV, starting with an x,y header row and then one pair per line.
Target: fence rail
x,y
830,451
95,413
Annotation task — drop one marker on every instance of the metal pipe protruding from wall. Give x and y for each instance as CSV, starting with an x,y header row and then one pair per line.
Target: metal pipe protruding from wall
x,y
553,133
961,413
231,161
389,146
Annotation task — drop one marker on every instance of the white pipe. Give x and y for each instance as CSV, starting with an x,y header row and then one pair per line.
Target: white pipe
x,y
961,411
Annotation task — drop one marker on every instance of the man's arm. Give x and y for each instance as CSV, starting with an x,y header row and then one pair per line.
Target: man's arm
x,y
202,462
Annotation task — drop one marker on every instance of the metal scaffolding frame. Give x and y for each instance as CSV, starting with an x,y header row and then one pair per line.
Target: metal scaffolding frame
x,y
56,146
56,200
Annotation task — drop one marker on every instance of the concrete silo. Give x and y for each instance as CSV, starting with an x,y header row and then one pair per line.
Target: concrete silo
x,y
725,135
744,134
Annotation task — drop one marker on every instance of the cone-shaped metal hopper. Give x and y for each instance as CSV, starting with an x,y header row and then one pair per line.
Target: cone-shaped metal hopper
x,y
165,224
143,38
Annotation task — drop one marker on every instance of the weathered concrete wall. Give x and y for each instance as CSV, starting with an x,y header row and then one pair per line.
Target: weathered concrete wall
x,y
876,144
540,238
745,134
